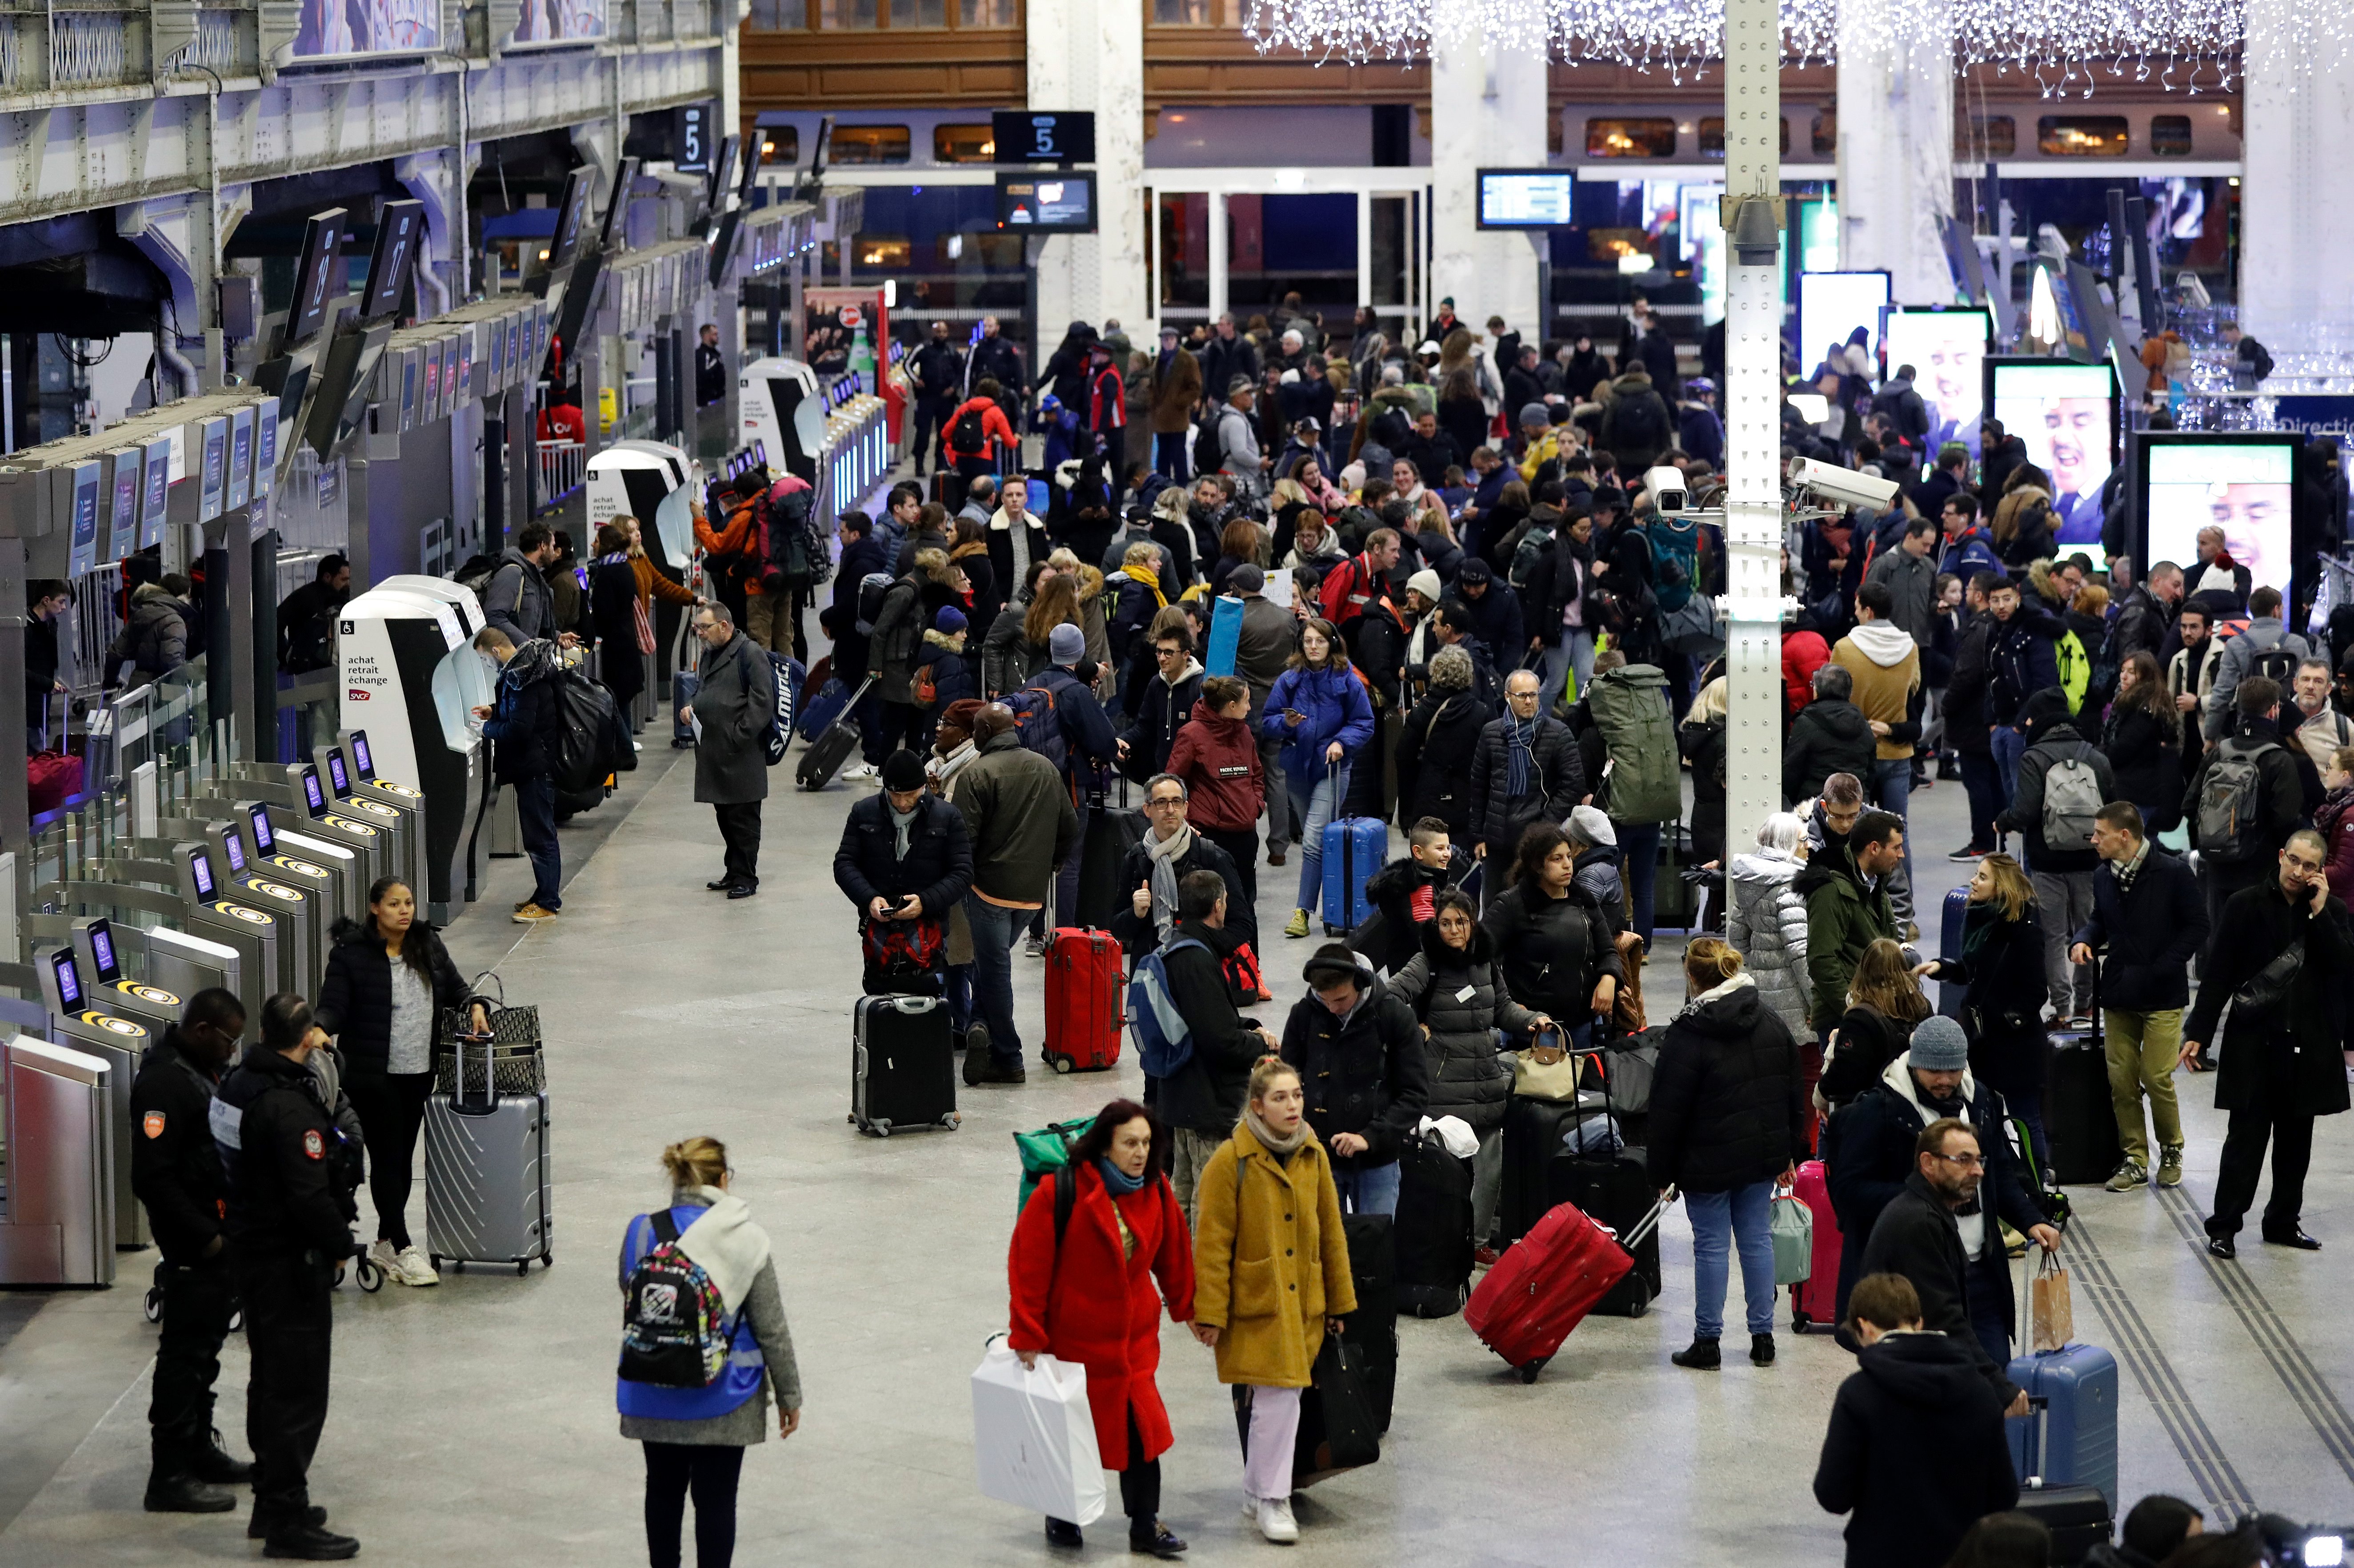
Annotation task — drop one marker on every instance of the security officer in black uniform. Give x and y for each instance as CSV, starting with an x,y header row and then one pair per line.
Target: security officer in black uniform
x,y
710,368
292,1174
175,1169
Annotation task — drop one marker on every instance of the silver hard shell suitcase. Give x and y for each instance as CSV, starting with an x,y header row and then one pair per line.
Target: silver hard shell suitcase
x,y
487,1171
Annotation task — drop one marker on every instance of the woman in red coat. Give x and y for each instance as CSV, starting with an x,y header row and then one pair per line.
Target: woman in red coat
x,y
1217,756
1097,1305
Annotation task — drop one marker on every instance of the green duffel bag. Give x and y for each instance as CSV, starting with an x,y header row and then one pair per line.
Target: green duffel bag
x,y
1046,1150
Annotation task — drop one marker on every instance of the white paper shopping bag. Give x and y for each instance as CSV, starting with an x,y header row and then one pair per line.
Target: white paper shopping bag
x,y
1034,1437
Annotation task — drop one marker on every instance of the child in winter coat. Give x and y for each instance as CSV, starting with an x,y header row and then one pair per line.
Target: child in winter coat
x,y
940,666
1458,997
1405,892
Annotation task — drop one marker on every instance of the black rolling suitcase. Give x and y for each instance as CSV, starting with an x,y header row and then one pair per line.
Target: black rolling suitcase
x,y
1616,1191
1433,1236
2079,1120
2077,1517
1532,1135
834,746
1370,1331
902,1065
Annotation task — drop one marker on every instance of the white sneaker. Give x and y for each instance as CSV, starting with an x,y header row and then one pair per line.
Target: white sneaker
x,y
865,773
410,1267
1274,1521
386,1261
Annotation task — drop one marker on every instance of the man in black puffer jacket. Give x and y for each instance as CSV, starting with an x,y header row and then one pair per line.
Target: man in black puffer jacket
x,y
1829,735
904,860
1202,1099
1361,1057
1728,1121
1527,769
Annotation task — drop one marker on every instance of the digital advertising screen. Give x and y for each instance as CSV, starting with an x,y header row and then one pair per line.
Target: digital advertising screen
x,y
1525,199
337,28
1946,350
2239,483
2067,415
1046,204
1831,305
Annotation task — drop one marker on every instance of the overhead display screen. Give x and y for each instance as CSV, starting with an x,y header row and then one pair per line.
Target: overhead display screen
x,y
2241,485
1050,204
1946,350
1525,199
2067,415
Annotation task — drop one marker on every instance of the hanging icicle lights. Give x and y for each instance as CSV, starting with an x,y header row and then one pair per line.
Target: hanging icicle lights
x,y
2068,46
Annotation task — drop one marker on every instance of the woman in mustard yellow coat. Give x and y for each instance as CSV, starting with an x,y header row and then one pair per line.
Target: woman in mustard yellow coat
x,y
1271,1277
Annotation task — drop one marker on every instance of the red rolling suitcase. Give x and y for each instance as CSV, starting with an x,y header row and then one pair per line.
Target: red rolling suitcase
x,y
1543,1287
1814,1300
1084,1013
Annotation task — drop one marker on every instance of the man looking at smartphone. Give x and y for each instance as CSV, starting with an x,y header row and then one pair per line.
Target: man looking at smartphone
x,y
2277,958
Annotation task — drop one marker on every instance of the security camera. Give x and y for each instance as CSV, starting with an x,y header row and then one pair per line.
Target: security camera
x,y
1831,485
1666,485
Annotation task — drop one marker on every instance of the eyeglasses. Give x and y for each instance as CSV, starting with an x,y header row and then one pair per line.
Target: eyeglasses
x,y
1162,802
1966,1162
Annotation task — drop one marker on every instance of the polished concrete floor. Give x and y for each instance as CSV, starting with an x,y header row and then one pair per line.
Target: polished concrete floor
x,y
474,1422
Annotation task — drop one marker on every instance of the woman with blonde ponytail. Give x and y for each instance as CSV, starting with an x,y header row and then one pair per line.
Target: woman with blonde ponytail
x,y
1728,1125
704,1242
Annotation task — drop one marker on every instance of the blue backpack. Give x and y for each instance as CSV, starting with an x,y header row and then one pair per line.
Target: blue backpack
x,y
1039,725
1675,559
1164,1042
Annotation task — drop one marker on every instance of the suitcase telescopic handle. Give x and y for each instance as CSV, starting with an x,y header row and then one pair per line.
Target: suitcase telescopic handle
x,y
490,1100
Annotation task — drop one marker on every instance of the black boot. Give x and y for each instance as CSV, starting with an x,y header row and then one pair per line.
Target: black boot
x,y
259,1527
309,1543
1154,1539
1761,1350
1701,1357
1063,1533
208,1461
179,1492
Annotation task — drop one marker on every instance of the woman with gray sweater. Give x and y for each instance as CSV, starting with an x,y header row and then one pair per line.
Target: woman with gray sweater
x,y
695,1433
1458,997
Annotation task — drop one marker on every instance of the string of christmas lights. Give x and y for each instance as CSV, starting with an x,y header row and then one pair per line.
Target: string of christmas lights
x,y
2067,47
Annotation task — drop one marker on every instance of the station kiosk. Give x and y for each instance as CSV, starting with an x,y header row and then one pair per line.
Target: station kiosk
x,y
56,1210
77,1018
654,483
402,815
410,680
784,410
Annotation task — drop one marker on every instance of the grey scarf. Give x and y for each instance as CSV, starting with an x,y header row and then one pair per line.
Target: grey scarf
x,y
1165,853
1281,1148
901,821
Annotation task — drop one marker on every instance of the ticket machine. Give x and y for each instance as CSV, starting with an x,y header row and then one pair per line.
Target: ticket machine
x,y
81,1021
784,410
652,481
410,677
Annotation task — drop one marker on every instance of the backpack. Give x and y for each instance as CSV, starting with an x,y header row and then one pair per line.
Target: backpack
x,y
2275,663
1635,424
2075,670
475,575
1529,553
1039,725
872,587
1208,450
1675,559
1163,1041
1643,780
968,432
586,720
2228,825
2072,795
786,678
781,552
1044,1152
674,1329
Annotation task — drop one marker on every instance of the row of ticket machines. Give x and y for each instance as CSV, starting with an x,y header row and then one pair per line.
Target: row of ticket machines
x,y
241,890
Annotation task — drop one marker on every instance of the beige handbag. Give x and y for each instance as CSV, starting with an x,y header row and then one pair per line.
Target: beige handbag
x,y
1546,1071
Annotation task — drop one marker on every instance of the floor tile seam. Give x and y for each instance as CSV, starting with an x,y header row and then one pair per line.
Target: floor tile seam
x,y
144,1375
2186,1426
2313,1395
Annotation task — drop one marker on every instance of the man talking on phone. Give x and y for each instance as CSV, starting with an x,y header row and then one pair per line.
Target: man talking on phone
x,y
2278,959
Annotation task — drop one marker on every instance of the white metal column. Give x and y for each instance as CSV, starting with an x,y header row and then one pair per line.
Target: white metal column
x,y
1365,246
1752,168
1217,207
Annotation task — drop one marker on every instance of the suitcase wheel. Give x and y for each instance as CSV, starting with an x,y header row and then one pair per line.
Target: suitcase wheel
x,y
1061,1063
153,1306
435,1260
339,1276
1528,1370
522,1268
548,1258
236,1319
1642,1300
951,1121
370,1277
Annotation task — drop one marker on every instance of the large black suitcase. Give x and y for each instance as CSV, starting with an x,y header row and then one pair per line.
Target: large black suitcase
x,y
1532,1135
2077,1517
1433,1236
902,1065
1370,1331
1953,996
1616,1191
834,746
2079,1120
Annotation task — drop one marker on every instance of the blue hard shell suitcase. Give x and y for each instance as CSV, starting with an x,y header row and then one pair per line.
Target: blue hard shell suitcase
x,y
1952,995
1353,850
2068,1435
1226,636
683,684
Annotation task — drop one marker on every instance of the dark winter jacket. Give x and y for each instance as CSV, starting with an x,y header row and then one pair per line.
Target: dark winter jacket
x,y
1916,1452
523,728
1553,951
1206,1094
937,865
2152,930
1159,713
1915,1235
2146,751
952,678
1844,917
1556,781
290,1171
1703,746
1392,889
1365,1074
1461,1000
1827,737
2021,661
2283,1060
355,995
852,650
2054,742
175,1166
735,705
1018,813
1140,934
154,640
1728,1101
1868,1041
1496,622
2002,968
516,600
1436,752
2280,802
2140,626
1966,689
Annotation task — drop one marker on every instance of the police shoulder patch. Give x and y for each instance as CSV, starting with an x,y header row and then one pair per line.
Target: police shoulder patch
x,y
152,1124
314,1145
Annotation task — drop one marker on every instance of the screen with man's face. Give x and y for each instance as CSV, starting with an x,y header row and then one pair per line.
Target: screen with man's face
x,y
2243,489
2066,416
1948,349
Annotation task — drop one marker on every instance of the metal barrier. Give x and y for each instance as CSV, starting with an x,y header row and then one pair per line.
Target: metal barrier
x,y
563,465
